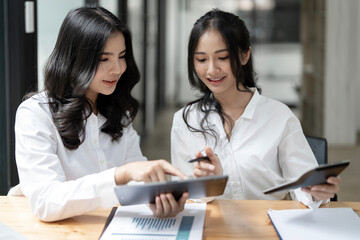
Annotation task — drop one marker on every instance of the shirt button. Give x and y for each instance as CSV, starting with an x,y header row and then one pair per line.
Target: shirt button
x,y
95,141
102,161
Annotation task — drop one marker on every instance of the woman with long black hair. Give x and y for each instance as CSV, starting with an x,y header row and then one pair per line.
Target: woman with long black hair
x,y
74,140
258,141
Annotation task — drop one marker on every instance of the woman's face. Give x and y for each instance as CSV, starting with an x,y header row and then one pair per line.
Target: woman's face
x,y
111,66
212,63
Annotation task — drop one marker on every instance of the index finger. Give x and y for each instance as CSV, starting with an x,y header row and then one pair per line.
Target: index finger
x,y
170,169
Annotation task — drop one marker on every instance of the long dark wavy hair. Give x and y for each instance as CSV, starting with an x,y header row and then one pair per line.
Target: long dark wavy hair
x,y
237,39
71,68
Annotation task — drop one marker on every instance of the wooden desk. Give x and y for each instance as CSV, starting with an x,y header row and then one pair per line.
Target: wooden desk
x,y
225,219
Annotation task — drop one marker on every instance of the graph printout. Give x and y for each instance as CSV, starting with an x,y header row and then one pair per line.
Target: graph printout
x,y
137,222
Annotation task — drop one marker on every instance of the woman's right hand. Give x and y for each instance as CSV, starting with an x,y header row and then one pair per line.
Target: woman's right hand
x,y
154,171
146,171
208,168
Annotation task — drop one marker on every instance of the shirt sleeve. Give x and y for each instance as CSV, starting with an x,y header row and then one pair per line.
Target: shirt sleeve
x,y
295,158
180,149
133,152
42,177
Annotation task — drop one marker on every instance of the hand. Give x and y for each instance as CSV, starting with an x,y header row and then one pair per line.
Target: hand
x,y
147,171
324,191
166,205
208,168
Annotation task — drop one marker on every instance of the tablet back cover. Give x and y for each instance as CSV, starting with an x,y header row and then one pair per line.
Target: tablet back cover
x,y
146,193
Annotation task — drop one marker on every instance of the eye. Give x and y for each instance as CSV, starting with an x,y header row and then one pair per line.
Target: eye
x,y
103,59
223,58
201,60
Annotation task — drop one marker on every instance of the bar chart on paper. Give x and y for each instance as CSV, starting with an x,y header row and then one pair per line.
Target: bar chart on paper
x,y
156,228
153,223
129,226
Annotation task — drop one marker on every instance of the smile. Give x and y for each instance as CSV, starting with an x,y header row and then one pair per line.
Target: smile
x,y
110,82
216,79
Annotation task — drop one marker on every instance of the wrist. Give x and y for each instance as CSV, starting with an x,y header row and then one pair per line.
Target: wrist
x,y
121,176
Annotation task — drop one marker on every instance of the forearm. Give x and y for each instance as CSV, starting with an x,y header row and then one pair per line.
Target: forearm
x,y
56,200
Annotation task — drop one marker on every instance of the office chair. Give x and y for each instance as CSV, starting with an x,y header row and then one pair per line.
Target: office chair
x,y
319,147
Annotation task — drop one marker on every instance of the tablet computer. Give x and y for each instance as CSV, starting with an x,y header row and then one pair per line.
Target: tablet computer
x,y
312,177
146,193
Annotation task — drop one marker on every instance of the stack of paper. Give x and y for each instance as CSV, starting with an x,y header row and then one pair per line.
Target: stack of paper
x,y
322,223
138,222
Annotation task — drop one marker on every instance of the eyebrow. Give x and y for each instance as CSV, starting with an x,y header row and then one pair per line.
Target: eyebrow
x,y
218,51
110,53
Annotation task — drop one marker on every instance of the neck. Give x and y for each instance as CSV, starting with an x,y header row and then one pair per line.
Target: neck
x,y
93,105
234,99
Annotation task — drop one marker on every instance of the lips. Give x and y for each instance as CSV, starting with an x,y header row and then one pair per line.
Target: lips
x,y
110,82
216,79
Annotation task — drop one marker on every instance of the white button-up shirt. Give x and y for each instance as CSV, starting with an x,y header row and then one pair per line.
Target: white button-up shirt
x,y
59,182
267,147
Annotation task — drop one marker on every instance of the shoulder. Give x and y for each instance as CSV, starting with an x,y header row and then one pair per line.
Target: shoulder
x,y
274,107
277,114
36,106
35,99
192,114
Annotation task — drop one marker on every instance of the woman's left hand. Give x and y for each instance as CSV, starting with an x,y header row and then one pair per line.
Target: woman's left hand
x,y
324,191
166,206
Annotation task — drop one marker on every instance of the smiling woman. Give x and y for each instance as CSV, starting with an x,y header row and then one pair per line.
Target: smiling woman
x,y
257,141
74,140
111,66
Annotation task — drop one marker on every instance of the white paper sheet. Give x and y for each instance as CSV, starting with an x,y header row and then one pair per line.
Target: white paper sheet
x,y
322,223
7,233
137,222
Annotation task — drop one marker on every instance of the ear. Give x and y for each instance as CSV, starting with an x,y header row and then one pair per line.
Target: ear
x,y
245,57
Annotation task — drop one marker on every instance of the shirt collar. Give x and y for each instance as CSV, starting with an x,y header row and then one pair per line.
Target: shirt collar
x,y
251,107
99,118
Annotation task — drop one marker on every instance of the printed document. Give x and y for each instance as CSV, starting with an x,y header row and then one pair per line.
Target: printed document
x,y
138,222
321,223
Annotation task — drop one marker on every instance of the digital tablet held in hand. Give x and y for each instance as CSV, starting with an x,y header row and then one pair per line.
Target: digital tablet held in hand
x,y
313,177
146,193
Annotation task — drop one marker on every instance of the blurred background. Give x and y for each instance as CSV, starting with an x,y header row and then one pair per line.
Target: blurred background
x,y
306,55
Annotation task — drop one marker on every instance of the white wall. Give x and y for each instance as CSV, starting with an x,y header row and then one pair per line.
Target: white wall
x,y
172,26
50,15
342,72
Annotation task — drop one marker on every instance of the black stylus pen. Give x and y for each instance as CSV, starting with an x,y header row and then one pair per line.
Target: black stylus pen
x,y
205,158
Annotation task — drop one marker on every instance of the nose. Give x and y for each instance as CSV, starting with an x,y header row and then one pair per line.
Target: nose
x,y
212,67
118,67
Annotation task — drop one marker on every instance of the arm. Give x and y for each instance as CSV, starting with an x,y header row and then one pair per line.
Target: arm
x,y
42,176
46,183
182,148
184,144
150,171
300,158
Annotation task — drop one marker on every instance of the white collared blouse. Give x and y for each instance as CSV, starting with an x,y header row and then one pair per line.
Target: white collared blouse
x,y
267,148
59,182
